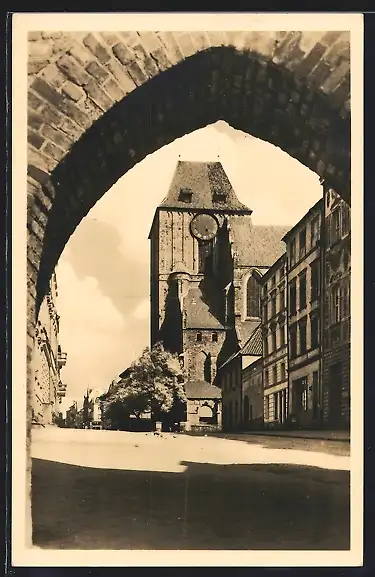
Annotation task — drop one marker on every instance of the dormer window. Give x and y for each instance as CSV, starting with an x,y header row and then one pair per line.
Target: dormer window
x,y
219,196
186,195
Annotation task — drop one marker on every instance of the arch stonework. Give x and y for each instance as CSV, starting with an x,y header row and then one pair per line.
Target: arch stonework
x,y
98,103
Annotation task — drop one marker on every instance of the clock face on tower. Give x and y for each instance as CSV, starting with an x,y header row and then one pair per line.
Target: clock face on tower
x,y
203,227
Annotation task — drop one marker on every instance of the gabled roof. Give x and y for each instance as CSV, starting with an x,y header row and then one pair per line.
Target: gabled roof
x,y
201,390
204,180
253,346
256,245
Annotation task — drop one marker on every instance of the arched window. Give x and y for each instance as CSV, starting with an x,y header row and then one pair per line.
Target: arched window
x,y
253,297
207,415
205,263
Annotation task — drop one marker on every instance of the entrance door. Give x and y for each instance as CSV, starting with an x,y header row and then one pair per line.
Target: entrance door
x,y
335,393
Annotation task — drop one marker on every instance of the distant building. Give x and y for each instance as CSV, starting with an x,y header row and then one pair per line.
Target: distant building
x,y
207,259
48,359
275,347
240,379
336,317
92,409
304,317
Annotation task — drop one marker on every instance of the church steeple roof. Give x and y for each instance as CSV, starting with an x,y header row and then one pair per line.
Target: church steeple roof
x,y
202,185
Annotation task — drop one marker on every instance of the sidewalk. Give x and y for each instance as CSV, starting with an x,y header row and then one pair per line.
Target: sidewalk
x,y
343,436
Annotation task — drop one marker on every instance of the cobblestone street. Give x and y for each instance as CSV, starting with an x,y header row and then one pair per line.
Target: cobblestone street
x,y
118,490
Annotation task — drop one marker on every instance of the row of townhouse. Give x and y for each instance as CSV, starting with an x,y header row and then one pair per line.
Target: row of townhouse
x,y
295,367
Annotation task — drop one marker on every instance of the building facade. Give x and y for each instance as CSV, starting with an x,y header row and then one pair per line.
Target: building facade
x,y
48,360
207,259
303,247
336,316
241,382
275,346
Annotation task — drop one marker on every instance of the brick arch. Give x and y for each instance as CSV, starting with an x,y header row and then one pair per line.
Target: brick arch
x,y
98,104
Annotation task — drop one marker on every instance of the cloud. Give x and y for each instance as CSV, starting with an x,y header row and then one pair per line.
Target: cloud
x,y
93,332
142,311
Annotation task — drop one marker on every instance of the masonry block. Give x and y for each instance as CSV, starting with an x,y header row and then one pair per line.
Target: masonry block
x,y
81,54
123,79
34,35
97,71
172,49
98,95
73,91
110,38
34,138
148,63
40,50
53,151
72,70
61,103
114,90
57,137
185,43
36,65
53,76
96,48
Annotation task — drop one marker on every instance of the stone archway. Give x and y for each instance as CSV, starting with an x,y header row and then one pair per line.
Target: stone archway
x,y
101,102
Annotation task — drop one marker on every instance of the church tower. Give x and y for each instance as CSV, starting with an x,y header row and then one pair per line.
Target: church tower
x,y
192,270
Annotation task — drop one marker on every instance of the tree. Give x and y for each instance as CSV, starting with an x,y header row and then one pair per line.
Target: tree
x,y
153,383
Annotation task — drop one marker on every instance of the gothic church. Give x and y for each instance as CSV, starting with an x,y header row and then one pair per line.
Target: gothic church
x,y
206,261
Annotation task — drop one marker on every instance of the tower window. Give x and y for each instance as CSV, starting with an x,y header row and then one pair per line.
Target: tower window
x,y
253,298
206,257
214,337
219,196
199,337
186,195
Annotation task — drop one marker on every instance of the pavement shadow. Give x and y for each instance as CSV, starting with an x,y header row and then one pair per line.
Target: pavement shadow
x,y
209,506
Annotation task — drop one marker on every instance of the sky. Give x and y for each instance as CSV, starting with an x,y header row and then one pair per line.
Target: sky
x,y
103,273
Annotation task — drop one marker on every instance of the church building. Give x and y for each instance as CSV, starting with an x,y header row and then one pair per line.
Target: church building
x,y
207,259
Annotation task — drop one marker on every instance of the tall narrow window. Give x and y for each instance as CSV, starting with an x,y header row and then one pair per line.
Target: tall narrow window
x,y
345,222
293,296
302,336
335,225
282,299
205,257
282,335
265,312
253,297
273,304
293,340
315,280
345,298
315,230
274,341
302,243
265,345
292,252
302,291
314,322
336,304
